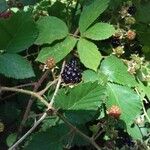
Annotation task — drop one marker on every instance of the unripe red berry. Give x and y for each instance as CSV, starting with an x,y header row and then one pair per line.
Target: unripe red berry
x,y
131,35
114,111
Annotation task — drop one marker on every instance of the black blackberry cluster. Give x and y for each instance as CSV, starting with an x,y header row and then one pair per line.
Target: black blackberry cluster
x,y
132,10
72,73
115,42
124,139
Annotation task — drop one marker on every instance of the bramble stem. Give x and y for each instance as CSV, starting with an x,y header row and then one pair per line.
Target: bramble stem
x,y
90,140
29,132
25,92
57,86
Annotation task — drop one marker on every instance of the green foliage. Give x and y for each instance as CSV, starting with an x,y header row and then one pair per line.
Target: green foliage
x,y
81,103
92,76
3,5
54,138
135,132
58,51
50,139
91,12
144,90
117,72
9,112
29,2
19,32
100,31
142,13
14,66
89,54
11,139
105,44
50,29
143,31
126,99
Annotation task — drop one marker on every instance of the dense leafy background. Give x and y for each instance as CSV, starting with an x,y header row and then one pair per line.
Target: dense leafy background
x,y
35,31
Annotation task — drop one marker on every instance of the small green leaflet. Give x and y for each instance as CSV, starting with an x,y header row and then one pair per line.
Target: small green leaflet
x,y
99,31
92,76
81,103
14,66
89,54
117,72
51,29
58,51
19,32
91,12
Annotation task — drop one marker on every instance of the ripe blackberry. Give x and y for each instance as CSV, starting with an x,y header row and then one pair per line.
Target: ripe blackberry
x,y
71,74
115,42
132,10
124,139
73,62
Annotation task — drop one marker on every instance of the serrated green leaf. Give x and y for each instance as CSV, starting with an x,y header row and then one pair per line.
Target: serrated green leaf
x,y
134,132
14,66
126,99
59,51
117,72
19,32
50,29
81,102
92,76
99,31
91,12
89,54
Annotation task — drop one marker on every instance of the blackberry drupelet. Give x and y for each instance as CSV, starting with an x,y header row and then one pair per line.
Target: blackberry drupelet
x,y
124,139
72,73
132,10
73,62
115,42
